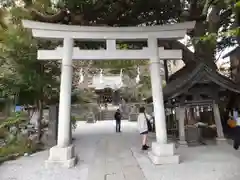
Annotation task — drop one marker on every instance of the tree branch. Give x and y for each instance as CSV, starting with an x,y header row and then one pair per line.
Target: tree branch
x,y
48,18
115,12
2,20
213,19
3,25
207,4
188,56
224,16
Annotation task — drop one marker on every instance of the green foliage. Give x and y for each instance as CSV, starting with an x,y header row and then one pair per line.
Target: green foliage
x,y
3,133
18,148
211,38
13,149
18,55
123,13
11,122
17,14
14,120
74,122
237,7
83,96
21,72
16,144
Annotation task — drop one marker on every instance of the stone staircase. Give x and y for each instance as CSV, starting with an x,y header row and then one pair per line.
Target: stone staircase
x,y
107,115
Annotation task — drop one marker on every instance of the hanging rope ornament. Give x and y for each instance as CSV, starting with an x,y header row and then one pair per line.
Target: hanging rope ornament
x,y
121,76
138,75
101,76
209,109
81,77
121,73
197,111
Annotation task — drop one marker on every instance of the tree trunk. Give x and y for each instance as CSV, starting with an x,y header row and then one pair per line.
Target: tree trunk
x,y
39,120
206,23
204,49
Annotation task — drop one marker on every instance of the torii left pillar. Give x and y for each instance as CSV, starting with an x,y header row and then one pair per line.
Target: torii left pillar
x,y
162,151
63,152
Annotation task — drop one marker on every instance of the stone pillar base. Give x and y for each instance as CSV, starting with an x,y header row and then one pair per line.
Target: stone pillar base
x,y
183,143
163,154
61,156
221,141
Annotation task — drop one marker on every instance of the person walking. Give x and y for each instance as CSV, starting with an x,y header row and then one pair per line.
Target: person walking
x,y
236,143
118,117
143,119
234,124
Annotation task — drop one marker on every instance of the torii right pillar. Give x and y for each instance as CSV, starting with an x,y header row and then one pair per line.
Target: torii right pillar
x,y
162,151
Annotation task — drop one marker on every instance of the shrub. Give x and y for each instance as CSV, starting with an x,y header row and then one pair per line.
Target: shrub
x,y
16,145
74,122
18,148
13,149
14,120
3,133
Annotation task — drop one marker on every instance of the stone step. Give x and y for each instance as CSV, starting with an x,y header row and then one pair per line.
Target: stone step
x,y
108,115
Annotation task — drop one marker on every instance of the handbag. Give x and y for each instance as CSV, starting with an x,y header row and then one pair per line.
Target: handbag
x,y
231,123
149,125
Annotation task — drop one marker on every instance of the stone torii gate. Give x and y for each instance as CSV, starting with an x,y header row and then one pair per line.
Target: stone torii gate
x,y
63,153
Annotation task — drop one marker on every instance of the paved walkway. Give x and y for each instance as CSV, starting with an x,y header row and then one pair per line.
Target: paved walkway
x,y
105,155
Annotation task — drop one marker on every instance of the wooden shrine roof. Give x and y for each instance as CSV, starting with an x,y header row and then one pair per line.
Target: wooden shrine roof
x,y
191,74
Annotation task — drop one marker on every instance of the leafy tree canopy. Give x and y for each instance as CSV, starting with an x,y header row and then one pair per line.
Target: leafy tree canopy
x,y
217,27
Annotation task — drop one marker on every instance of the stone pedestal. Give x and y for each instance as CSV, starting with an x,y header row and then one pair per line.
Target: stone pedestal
x,y
193,135
183,143
61,156
221,141
133,117
163,154
218,122
180,114
52,126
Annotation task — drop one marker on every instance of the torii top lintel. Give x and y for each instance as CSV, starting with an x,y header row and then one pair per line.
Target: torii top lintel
x,y
50,30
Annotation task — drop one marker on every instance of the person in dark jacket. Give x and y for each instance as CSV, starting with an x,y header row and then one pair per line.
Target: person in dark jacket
x,y
118,118
236,141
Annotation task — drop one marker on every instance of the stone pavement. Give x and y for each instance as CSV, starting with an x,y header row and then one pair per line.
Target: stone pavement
x,y
198,163
105,155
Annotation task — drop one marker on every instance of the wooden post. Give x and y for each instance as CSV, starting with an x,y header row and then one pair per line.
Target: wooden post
x,y
217,118
53,125
180,115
